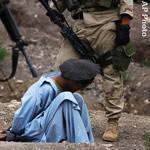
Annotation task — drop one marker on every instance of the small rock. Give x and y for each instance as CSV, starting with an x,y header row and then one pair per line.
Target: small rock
x,y
147,101
32,41
41,54
36,16
2,112
2,87
139,84
107,145
5,123
13,101
135,112
11,106
19,81
132,105
14,78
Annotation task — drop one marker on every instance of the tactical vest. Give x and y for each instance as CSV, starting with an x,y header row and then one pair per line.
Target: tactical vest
x,y
106,4
99,3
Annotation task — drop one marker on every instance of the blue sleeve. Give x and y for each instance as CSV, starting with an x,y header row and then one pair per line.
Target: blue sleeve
x,y
35,100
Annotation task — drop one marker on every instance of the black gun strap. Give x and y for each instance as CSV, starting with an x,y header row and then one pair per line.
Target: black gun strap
x,y
15,56
105,59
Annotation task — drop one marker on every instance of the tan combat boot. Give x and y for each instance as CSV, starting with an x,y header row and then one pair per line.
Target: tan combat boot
x,y
111,133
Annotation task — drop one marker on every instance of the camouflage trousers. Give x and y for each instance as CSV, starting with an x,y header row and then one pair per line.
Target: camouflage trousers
x,y
98,28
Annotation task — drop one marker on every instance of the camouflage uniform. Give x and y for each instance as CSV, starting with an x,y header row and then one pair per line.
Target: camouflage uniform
x,y
98,26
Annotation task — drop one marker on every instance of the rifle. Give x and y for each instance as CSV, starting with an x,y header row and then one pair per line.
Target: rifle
x,y
85,51
14,33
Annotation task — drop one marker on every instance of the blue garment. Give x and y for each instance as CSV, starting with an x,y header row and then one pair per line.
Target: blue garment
x,y
49,115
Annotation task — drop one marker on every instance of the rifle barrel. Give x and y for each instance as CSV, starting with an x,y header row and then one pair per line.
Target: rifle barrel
x,y
10,25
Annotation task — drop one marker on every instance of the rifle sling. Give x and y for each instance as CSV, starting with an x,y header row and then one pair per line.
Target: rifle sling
x,y
15,55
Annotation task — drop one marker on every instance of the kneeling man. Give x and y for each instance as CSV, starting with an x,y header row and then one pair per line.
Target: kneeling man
x,y
51,111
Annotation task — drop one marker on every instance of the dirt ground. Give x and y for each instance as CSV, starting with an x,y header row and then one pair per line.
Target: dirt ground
x,y
132,128
44,42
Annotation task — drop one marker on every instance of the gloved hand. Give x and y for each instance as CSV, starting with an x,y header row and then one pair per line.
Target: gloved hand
x,y
122,34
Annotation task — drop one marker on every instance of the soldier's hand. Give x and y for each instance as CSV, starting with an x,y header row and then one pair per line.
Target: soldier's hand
x,y
122,34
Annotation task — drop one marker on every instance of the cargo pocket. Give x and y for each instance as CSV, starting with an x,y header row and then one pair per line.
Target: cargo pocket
x,y
121,56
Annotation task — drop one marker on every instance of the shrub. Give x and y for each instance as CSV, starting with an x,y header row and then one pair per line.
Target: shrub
x,y
146,62
147,140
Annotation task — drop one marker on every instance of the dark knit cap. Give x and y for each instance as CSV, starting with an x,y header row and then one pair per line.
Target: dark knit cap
x,y
79,69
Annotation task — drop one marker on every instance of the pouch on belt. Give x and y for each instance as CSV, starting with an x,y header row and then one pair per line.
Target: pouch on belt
x,y
121,56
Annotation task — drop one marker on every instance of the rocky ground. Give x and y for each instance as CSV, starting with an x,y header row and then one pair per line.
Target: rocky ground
x,y
132,131
44,42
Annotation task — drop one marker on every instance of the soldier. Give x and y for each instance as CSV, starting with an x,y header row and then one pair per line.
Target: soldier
x,y
104,24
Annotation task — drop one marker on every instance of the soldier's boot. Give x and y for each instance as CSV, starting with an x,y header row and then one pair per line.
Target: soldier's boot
x,y
111,133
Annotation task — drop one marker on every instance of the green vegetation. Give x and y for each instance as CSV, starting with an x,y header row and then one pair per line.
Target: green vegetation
x,y
125,75
146,62
147,140
3,52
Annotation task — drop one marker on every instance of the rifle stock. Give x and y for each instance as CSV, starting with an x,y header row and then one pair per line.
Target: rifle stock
x,y
14,33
